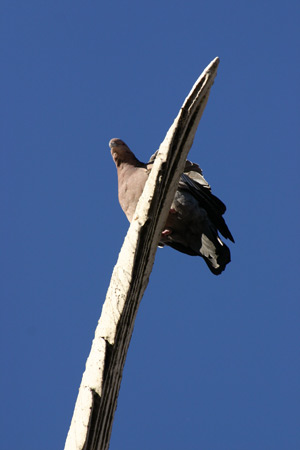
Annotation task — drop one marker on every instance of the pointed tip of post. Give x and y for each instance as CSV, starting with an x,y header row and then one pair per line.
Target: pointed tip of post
x,y
214,64
205,80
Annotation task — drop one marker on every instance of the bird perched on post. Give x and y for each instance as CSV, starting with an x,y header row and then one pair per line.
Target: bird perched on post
x,y
195,216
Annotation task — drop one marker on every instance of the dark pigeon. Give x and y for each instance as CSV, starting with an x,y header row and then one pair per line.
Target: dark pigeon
x,y
195,215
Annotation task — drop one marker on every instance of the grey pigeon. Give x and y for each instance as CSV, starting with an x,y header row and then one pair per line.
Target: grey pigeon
x,y
195,215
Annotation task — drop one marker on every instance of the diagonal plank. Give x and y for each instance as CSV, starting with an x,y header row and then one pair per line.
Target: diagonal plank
x,y
97,398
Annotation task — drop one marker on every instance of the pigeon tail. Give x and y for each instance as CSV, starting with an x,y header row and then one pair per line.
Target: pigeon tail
x,y
215,253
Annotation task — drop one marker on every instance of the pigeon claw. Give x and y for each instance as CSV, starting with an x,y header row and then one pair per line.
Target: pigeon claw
x,y
166,232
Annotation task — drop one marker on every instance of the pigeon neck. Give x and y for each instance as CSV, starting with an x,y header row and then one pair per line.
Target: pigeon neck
x,y
127,160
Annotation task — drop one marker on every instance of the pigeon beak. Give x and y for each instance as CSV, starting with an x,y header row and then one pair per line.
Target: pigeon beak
x,y
115,142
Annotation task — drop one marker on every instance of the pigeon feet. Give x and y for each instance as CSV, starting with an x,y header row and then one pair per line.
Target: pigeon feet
x,y
166,232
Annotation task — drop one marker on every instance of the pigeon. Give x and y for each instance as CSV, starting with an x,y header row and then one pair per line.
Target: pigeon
x,y
195,216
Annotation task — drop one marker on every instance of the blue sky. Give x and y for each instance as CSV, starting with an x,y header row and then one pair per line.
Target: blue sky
x,y
214,361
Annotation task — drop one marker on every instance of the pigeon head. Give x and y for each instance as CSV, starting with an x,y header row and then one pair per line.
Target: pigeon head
x,y
121,153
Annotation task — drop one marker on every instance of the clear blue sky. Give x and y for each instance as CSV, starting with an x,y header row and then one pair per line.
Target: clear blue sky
x,y
214,361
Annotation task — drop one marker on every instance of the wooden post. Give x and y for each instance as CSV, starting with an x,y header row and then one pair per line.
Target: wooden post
x,y
97,398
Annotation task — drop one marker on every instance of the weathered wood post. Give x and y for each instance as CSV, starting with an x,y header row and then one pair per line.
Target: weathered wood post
x,y
97,398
